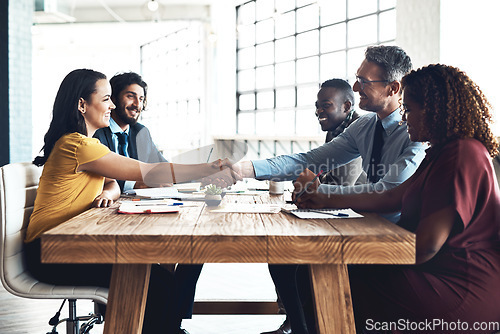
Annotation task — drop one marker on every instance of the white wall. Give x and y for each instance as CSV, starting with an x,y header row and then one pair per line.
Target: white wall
x,y
58,49
461,33
418,27
469,41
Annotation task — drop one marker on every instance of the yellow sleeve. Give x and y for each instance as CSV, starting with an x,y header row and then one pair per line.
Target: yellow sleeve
x,y
90,149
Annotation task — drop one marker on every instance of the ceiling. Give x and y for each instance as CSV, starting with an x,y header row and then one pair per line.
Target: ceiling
x,y
127,3
91,11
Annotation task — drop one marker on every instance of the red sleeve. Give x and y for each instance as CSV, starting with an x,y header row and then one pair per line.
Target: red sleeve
x,y
457,179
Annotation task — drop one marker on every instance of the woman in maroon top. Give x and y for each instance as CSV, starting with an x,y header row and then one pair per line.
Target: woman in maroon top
x,y
452,203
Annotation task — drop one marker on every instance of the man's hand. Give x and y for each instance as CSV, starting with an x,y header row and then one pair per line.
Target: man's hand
x,y
223,176
244,169
305,193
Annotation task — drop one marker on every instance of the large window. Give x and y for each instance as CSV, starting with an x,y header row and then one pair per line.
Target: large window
x,y
173,67
286,48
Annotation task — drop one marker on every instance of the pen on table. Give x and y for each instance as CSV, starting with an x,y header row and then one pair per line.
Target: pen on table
x,y
145,198
307,187
209,154
163,204
338,214
135,197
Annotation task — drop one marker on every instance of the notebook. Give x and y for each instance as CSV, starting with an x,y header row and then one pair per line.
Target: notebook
x,y
320,213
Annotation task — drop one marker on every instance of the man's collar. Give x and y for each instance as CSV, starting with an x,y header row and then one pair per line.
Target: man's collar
x,y
392,121
339,129
114,127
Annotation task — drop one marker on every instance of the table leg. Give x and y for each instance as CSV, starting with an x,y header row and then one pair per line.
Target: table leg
x,y
127,298
332,298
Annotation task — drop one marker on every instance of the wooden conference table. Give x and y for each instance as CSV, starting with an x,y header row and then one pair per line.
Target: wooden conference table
x,y
197,235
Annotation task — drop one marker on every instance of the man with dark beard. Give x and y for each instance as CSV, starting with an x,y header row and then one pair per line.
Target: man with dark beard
x,y
125,135
128,137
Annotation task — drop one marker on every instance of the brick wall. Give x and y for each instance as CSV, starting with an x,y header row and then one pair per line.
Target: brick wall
x,y
15,79
4,79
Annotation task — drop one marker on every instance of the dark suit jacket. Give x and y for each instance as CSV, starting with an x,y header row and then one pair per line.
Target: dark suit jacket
x,y
142,148
140,144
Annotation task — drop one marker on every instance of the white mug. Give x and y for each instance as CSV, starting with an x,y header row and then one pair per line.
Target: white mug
x,y
276,187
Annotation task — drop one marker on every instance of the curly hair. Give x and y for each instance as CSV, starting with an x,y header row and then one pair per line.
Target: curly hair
x,y
454,106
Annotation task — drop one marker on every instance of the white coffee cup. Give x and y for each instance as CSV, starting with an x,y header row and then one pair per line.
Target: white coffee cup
x,y
276,187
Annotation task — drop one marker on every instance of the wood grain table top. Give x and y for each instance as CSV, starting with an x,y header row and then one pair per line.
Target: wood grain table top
x,y
198,235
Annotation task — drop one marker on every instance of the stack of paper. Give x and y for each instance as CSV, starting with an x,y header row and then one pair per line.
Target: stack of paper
x,y
187,187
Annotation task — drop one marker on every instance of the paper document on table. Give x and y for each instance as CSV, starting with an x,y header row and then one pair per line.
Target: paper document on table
x,y
248,208
320,213
150,201
152,208
246,192
166,192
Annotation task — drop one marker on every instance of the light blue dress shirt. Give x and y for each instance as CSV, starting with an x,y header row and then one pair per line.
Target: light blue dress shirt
x,y
400,157
114,127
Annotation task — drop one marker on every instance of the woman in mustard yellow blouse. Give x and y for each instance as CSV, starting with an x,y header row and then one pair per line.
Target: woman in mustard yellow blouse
x,y
79,172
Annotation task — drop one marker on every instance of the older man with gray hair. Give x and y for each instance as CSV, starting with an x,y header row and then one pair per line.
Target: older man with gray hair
x,y
378,137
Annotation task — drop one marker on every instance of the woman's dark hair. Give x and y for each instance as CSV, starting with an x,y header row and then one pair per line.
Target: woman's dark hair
x,y
66,118
454,106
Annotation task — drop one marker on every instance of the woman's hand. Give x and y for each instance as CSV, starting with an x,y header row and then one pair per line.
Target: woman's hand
x,y
244,169
305,193
228,167
103,200
110,192
223,176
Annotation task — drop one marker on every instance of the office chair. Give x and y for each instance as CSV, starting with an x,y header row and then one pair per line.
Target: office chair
x,y
18,184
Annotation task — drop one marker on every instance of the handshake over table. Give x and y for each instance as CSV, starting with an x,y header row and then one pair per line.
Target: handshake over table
x,y
228,173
